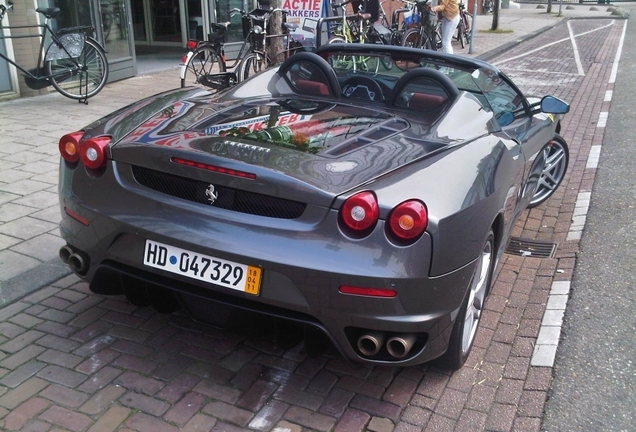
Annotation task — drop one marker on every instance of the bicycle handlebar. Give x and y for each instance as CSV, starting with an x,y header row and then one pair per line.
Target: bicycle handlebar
x,y
342,5
236,11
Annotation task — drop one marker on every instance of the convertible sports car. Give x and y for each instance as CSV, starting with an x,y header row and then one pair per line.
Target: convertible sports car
x,y
365,193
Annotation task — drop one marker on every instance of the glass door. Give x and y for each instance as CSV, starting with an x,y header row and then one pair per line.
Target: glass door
x,y
116,33
158,22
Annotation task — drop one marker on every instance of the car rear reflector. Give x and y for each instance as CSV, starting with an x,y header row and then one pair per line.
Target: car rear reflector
x,y
214,168
408,220
369,292
80,219
360,211
69,146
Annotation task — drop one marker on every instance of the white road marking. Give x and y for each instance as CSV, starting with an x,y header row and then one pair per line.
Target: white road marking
x,y
608,96
619,51
577,58
552,43
593,157
602,119
550,330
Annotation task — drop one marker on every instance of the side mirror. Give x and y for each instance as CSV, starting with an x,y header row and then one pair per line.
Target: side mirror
x,y
554,105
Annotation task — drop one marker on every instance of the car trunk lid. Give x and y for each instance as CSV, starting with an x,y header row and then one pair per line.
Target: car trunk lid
x,y
310,154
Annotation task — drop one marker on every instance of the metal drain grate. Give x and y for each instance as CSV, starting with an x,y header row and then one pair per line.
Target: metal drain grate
x,y
531,248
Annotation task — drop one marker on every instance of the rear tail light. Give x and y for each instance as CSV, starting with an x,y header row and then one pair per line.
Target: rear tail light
x,y
70,147
191,44
360,212
408,220
93,151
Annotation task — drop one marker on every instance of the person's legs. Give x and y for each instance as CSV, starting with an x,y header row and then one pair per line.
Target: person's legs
x,y
448,28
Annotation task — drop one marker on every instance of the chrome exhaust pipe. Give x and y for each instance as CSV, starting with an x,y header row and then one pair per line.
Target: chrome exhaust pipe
x,y
78,262
400,345
370,344
65,253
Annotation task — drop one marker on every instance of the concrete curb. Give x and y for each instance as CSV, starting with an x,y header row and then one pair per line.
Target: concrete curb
x,y
32,280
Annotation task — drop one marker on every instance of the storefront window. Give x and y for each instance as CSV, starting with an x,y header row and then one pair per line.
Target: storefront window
x,y
74,12
114,26
223,8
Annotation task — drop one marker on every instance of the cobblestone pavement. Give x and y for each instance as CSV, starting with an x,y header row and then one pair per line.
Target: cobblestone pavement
x,y
73,360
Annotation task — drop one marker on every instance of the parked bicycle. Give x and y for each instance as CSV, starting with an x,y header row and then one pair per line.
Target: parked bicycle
x,y
205,63
428,34
462,33
381,31
400,20
355,28
73,62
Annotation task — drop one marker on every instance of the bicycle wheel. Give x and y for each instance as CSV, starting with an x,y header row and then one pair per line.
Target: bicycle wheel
x,y
341,62
396,37
252,64
82,77
387,62
461,34
436,45
415,39
467,28
202,63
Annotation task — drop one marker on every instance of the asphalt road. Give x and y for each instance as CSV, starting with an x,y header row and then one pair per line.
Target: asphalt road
x,y
594,387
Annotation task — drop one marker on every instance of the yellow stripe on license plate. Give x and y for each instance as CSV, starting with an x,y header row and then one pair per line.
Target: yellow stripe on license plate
x,y
228,274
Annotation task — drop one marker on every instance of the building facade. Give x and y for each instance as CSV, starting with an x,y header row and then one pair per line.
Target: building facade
x,y
123,27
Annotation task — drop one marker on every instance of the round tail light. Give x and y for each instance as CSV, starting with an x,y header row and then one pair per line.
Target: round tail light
x,y
93,152
408,220
360,212
70,147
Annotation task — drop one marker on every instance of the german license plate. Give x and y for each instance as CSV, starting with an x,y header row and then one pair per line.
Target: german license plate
x,y
205,268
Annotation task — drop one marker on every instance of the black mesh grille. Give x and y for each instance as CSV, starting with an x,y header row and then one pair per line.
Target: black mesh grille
x,y
228,198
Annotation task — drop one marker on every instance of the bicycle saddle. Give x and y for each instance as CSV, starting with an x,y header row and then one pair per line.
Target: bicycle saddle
x,y
49,12
221,25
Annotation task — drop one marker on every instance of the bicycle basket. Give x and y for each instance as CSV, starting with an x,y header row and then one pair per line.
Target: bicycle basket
x,y
247,22
217,33
411,19
72,45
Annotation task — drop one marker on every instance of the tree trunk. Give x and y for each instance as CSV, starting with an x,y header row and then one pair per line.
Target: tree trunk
x,y
275,46
549,10
495,15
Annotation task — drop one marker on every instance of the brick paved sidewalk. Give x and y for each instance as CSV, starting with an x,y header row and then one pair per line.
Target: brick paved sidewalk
x,y
72,360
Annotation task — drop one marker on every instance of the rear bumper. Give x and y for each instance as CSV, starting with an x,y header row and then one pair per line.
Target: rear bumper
x,y
304,262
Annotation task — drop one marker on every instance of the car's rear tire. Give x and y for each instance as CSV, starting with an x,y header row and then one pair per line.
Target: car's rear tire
x,y
556,156
467,321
